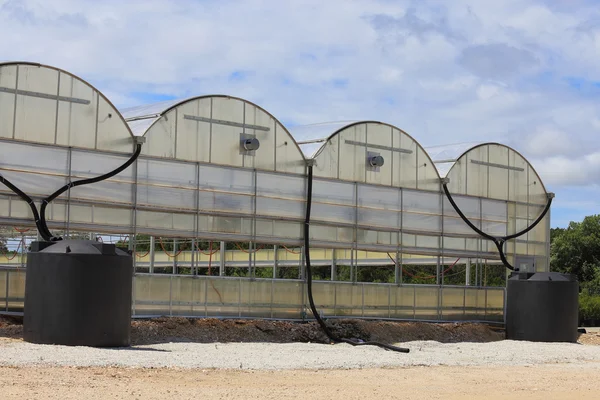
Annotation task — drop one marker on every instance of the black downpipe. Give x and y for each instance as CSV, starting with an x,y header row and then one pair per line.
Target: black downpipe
x,y
309,279
44,231
498,241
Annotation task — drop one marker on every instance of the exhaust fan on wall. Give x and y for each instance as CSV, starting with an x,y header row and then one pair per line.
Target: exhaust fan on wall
x,y
248,144
376,161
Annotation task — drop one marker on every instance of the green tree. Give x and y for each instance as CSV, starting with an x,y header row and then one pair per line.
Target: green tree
x,y
576,249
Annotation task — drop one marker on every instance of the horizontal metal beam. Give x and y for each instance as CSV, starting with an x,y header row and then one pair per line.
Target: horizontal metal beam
x,y
489,164
228,123
378,146
312,141
44,95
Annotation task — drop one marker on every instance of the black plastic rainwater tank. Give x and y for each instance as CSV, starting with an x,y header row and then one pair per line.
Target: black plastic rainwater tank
x,y
542,307
78,293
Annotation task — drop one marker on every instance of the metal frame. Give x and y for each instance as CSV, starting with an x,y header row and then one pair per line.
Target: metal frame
x,y
44,95
196,303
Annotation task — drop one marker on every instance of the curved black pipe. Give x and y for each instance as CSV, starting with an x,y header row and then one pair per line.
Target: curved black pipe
x,y
44,227
498,241
309,279
26,199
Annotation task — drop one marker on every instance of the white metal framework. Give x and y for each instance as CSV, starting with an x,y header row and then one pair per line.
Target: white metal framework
x,y
220,168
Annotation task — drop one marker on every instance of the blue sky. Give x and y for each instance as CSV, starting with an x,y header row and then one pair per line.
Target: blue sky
x,y
523,72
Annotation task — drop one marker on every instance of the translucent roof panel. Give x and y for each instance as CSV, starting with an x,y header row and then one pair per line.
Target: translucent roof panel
x,y
494,171
149,110
211,128
343,150
444,156
449,152
312,137
43,104
140,126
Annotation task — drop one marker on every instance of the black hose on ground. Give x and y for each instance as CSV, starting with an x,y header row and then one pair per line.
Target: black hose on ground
x,y
500,240
26,199
44,231
309,280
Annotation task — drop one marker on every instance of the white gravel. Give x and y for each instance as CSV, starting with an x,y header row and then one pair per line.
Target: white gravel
x,y
297,355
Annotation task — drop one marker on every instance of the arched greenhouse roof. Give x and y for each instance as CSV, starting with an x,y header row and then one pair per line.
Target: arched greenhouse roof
x,y
489,169
47,105
341,150
209,128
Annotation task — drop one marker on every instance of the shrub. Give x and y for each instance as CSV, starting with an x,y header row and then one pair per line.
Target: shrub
x,y
589,308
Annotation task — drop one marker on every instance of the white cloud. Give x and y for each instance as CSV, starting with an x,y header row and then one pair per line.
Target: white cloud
x,y
548,141
486,91
577,170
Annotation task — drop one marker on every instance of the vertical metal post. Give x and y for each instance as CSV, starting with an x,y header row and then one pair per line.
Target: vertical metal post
x,y
437,272
414,302
548,217
133,296
485,304
196,262
170,296
174,256
478,270
401,268
151,267
362,299
135,173
222,259
250,271
253,243
301,273
69,163
275,261
23,244
390,301
193,258
440,259
396,269
7,288
468,273
352,265
333,265
399,251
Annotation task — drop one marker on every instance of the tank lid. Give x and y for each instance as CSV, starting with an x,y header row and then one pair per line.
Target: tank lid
x,y
78,247
544,276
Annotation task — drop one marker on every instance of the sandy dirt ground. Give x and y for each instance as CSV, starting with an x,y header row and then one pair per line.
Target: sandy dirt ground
x,y
545,382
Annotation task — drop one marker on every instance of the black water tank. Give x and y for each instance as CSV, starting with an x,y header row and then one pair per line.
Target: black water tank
x,y
78,293
542,307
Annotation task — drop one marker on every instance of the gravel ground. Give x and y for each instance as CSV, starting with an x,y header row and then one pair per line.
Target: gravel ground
x,y
276,356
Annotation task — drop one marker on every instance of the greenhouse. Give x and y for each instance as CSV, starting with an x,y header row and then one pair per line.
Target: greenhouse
x,y
215,207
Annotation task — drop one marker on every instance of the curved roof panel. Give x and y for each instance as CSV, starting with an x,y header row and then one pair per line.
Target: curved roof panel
x,y
210,128
490,170
341,149
44,104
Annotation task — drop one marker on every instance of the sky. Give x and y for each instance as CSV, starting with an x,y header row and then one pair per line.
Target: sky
x,y
522,72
